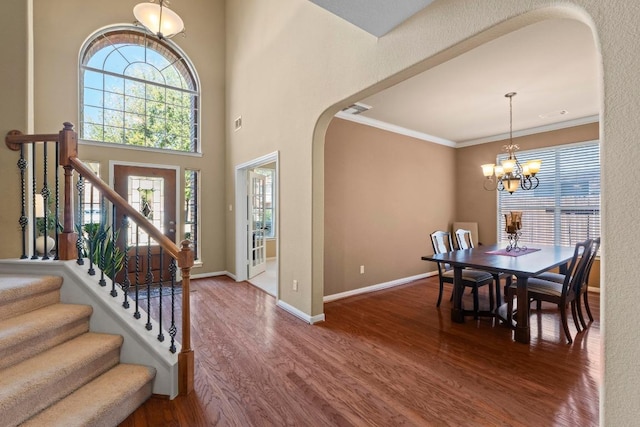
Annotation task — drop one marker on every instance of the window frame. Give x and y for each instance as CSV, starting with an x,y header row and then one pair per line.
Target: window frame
x,y
167,49
196,247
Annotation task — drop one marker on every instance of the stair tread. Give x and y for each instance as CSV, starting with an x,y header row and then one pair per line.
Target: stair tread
x,y
16,286
107,400
33,384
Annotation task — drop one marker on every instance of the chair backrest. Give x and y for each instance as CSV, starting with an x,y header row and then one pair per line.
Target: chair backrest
x,y
464,239
577,267
594,252
441,242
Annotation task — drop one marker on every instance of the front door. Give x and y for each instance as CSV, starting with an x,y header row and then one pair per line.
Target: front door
x,y
256,224
152,192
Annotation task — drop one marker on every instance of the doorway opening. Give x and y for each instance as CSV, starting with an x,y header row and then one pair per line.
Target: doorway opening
x,y
257,230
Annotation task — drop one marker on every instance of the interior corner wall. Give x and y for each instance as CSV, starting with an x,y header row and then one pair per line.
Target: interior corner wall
x,y
14,114
475,204
384,194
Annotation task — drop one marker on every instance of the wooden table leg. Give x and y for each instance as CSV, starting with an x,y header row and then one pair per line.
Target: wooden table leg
x,y
457,311
523,331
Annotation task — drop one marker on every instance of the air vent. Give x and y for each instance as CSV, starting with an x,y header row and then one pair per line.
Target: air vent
x,y
553,114
356,108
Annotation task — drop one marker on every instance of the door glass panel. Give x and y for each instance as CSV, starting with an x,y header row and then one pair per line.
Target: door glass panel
x,y
146,195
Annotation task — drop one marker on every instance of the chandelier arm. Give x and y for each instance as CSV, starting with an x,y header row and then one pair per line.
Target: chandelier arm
x,y
490,184
536,182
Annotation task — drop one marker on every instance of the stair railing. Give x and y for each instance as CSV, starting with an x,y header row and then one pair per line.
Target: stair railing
x,y
75,240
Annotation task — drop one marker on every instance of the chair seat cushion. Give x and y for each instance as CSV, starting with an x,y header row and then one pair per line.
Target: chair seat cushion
x,y
540,286
552,277
471,275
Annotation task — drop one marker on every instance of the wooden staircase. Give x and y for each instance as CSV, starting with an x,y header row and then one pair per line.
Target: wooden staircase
x,y
53,370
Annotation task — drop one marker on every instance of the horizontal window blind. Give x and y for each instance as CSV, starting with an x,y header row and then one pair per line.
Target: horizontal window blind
x,y
565,208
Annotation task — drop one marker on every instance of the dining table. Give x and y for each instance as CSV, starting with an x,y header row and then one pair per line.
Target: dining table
x,y
522,263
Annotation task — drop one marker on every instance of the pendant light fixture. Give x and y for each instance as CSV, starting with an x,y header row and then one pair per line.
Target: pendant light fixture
x,y
159,19
510,174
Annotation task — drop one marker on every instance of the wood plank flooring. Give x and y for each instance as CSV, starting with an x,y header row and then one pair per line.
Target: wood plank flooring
x,y
387,358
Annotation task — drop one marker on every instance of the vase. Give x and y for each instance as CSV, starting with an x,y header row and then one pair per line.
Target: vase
x,y
40,243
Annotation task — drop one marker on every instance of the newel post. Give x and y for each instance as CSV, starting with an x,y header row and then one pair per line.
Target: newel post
x,y
185,358
68,141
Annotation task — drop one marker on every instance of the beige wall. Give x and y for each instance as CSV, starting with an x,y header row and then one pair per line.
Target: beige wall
x,y
384,194
14,114
58,38
271,248
475,204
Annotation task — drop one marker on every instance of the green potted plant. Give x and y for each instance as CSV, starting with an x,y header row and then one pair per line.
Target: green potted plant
x,y
100,245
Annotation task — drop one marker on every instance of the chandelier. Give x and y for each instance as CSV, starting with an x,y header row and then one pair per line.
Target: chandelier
x,y
511,174
159,19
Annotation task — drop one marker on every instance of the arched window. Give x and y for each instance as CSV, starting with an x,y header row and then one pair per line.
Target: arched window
x,y
137,90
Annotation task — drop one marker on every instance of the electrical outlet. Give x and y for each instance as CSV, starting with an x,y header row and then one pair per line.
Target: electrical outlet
x,y
362,269
295,285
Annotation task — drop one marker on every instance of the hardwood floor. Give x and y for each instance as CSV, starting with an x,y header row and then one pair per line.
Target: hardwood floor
x,y
383,359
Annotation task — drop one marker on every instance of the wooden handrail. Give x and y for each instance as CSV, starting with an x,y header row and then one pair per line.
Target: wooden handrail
x,y
15,138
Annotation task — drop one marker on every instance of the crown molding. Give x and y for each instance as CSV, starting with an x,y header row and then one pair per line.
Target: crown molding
x,y
531,131
395,129
442,141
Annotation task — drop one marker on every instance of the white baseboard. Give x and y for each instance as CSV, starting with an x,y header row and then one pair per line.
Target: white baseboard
x,y
378,287
212,274
299,314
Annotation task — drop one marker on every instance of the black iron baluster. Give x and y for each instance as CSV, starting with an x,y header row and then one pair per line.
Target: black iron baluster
x,y
93,235
136,314
24,220
173,329
160,334
194,235
45,198
126,284
149,279
80,220
112,251
34,190
103,237
57,201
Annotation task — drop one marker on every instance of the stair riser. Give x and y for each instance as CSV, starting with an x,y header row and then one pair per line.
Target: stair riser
x,y
29,348
34,399
27,304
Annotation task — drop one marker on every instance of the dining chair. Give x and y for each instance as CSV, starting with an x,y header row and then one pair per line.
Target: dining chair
x,y
464,239
584,286
442,243
563,293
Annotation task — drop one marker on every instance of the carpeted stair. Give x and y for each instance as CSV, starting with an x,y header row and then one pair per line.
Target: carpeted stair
x,y
53,370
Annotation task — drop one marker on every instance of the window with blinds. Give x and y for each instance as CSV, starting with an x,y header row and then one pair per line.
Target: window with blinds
x,y
565,208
